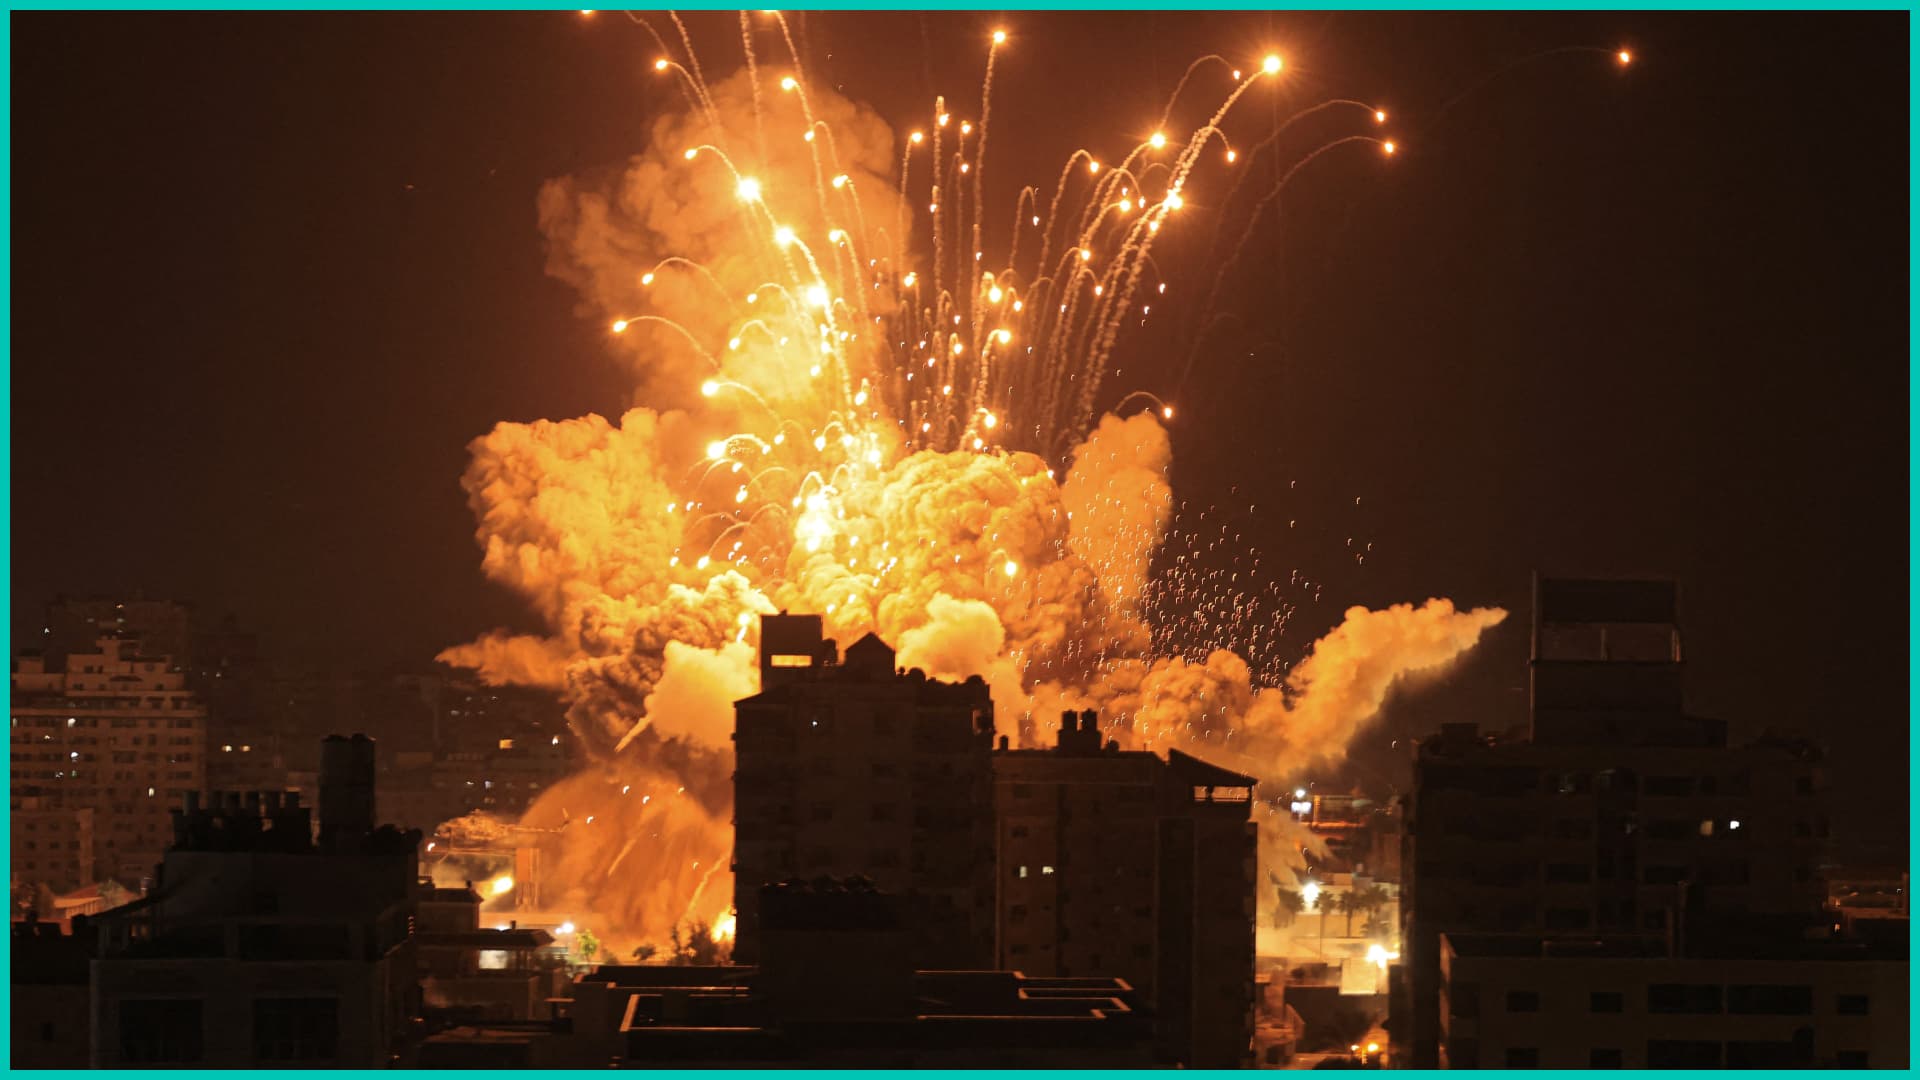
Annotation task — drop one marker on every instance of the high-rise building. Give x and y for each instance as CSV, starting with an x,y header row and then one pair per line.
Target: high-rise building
x,y
1121,864
858,768
51,845
75,624
1617,813
115,731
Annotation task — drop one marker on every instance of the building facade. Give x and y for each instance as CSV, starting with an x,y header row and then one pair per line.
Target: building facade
x,y
116,732
853,767
1628,1002
1616,813
1121,864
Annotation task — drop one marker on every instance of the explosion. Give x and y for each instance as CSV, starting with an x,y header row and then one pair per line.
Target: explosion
x,y
849,409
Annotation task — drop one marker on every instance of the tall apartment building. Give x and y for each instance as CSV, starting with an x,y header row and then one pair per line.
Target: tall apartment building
x,y
75,624
856,768
1616,813
1120,864
116,732
51,845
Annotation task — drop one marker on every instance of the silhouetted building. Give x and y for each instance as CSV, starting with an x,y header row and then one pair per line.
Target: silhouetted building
x,y
836,989
1618,813
116,731
1117,863
51,845
49,994
1735,1001
266,942
856,768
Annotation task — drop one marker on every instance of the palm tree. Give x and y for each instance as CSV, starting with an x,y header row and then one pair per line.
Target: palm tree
x,y
1370,899
1291,902
1349,905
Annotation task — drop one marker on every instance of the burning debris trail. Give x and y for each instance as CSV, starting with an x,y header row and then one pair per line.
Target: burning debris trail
x,y
855,405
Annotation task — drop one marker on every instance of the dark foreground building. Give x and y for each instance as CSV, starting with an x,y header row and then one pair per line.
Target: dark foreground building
x,y
1619,845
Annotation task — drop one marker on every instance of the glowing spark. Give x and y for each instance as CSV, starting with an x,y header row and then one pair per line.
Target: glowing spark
x,y
1093,167
710,388
789,83
1388,147
1174,201
783,236
660,64
1231,156
646,278
909,280
1012,568
916,138
1167,413
944,117
1158,140
994,294
748,189
501,885
817,295
1003,336
619,326
990,421
840,181
717,449
999,37
1270,65
1379,116
1624,57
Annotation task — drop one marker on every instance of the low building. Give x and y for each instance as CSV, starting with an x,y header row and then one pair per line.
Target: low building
x,y
1637,1002
48,1000
835,989
259,944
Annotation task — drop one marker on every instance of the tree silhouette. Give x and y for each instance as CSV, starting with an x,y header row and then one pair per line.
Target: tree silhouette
x,y
1290,906
646,952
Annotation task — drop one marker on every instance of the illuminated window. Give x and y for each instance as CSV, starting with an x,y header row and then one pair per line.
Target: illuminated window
x,y
791,660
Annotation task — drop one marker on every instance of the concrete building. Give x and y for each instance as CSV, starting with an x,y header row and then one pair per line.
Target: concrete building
x,y
1617,812
114,730
1635,1002
857,768
1119,864
261,945
48,1002
75,624
836,989
51,845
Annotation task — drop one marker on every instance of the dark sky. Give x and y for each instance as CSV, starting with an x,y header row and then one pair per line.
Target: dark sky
x,y
273,272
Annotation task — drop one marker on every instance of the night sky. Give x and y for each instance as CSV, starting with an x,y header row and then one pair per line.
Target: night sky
x,y
272,273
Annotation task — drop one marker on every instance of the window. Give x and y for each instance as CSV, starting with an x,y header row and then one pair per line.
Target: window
x,y
1523,1057
1605,1001
1765,1000
1689,998
1523,1001
1851,1005
295,1029
154,1030
1682,1054
1604,1058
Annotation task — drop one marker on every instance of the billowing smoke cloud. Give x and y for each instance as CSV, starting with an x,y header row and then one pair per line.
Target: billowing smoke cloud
x,y
760,474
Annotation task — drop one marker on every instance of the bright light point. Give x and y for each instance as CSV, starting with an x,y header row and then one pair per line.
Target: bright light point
x,y
977,444
660,64
701,565
817,295
1373,1048
501,885
908,281
691,154
1299,793
1093,166
999,37
646,278
1126,206
965,129
994,294
619,326
1012,568
1379,116
836,236
740,496
1624,57
944,117
717,449
1085,254
1166,413
710,388
1017,305
1270,65
1231,156
1004,336
748,189
916,137
990,421
1310,892
1099,290
1388,147
789,83
1158,140
1174,201
840,181
819,442
783,236
860,398
808,136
